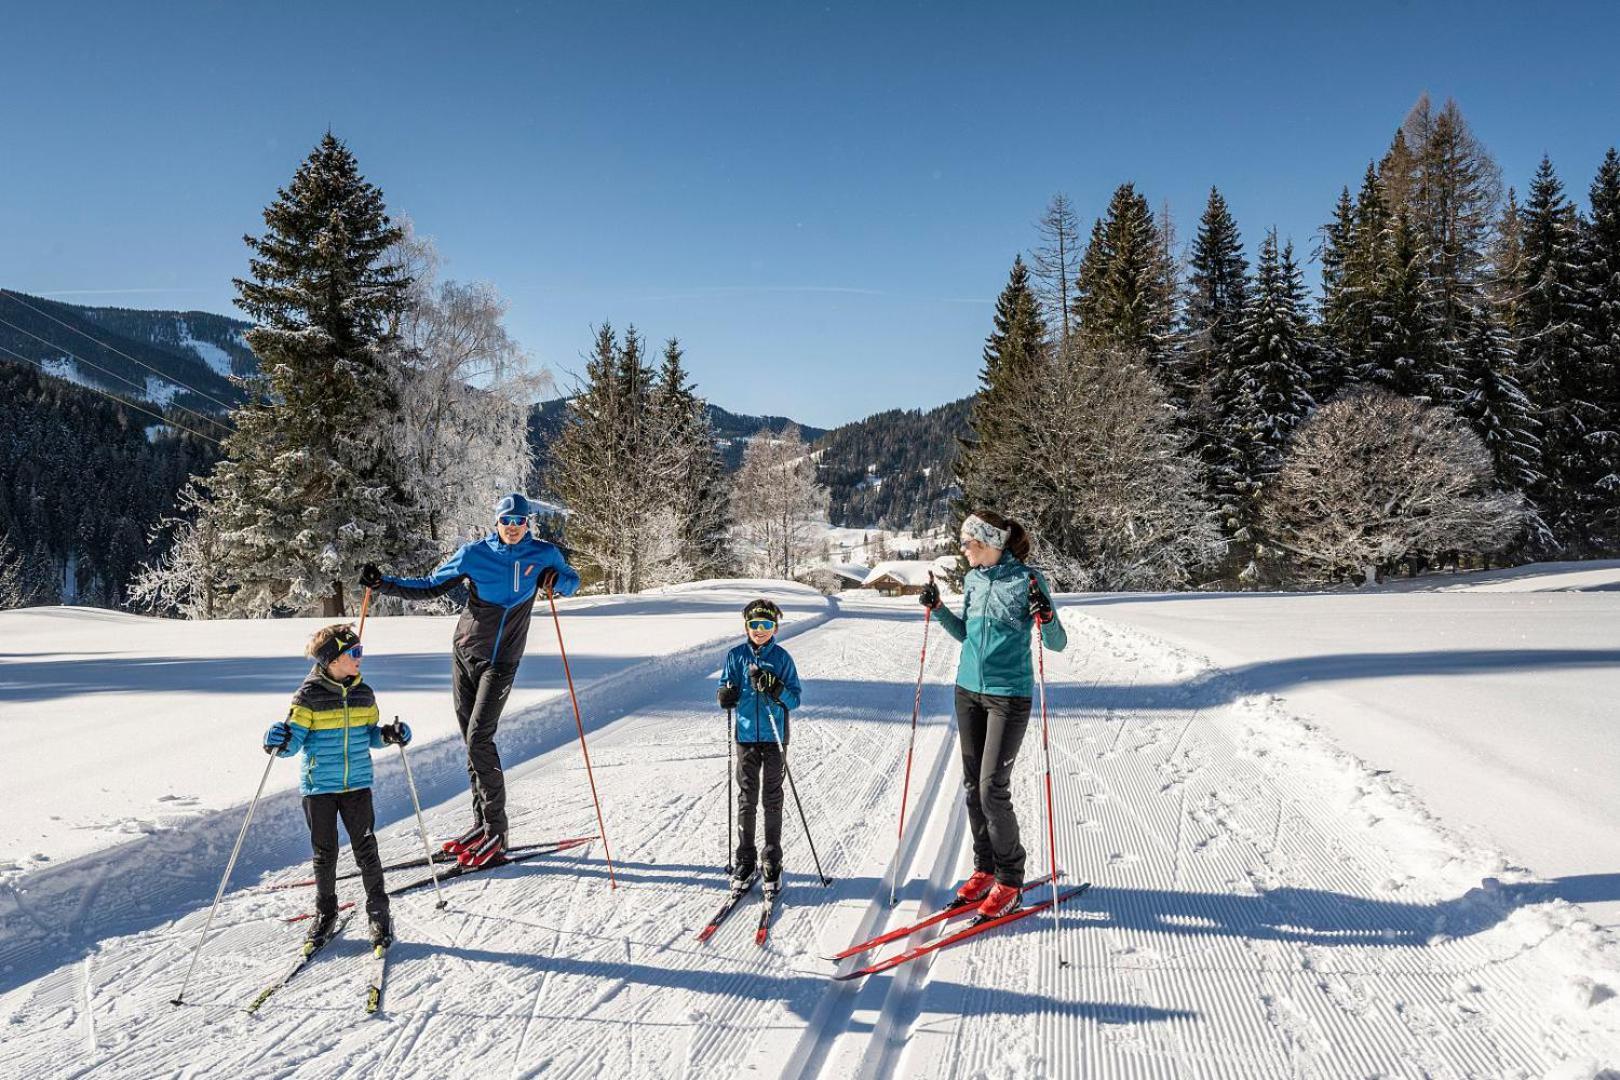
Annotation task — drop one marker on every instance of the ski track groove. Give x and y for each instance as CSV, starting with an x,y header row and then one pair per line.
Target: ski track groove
x,y
1237,927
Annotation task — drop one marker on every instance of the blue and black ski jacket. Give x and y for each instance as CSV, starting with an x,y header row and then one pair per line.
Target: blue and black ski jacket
x,y
502,583
756,712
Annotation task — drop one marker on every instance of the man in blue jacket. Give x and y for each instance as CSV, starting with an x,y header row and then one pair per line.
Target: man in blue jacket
x,y
504,573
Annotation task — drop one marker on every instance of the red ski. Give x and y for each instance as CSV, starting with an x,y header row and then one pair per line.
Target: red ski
x,y
952,910
972,930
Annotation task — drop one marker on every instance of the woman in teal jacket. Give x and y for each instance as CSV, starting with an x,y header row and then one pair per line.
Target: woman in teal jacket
x,y
1001,599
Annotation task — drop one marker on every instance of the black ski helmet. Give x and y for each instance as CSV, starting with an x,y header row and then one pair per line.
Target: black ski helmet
x,y
762,609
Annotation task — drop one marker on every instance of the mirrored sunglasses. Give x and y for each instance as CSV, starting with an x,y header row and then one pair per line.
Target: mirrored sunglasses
x,y
356,650
762,624
513,519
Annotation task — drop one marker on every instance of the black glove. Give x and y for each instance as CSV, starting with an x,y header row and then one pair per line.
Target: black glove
x,y
728,696
370,576
548,579
765,682
929,597
1040,605
396,734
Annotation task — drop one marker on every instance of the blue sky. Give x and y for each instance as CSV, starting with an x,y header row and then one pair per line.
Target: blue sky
x,y
820,201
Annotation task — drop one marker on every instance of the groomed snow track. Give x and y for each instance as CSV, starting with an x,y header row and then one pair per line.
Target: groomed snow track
x,y
1262,906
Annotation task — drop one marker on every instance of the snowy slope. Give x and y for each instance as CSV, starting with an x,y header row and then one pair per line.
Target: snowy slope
x,y
1264,904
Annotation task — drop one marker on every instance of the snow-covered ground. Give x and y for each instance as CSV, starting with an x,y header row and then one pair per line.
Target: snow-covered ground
x,y
1264,903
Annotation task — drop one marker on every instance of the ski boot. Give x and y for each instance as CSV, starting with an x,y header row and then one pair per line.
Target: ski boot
x,y
490,851
742,878
321,929
976,887
468,839
1003,900
382,931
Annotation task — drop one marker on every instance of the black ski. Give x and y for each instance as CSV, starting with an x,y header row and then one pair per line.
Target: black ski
x,y
766,914
443,858
307,951
727,908
376,973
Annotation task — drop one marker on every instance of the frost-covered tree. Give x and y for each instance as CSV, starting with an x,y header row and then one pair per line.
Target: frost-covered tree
x,y
312,487
1601,266
1264,394
616,467
1488,396
466,389
1108,491
1373,479
1406,353
777,503
189,579
701,495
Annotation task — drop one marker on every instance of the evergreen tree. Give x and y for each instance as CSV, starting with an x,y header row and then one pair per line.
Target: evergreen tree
x,y
309,489
1488,396
988,463
1338,244
1125,299
1556,364
1265,393
1601,265
1504,283
701,499
1216,283
1406,354
1356,298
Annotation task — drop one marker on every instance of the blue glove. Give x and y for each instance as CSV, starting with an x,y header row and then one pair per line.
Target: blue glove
x,y
278,737
396,734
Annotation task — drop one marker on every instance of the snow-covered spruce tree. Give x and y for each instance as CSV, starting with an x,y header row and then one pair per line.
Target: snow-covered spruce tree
x,y
1264,394
776,502
1601,265
464,398
988,462
616,467
1125,296
701,496
16,587
1556,365
1373,479
311,487
1407,354
1487,395
1109,493
1350,302
1056,263
1217,281
189,579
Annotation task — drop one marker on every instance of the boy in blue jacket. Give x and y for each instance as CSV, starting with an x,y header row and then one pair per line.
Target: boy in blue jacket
x,y
760,682
333,722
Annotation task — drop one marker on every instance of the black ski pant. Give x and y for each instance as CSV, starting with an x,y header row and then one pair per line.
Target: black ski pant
x,y
756,761
322,813
481,689
992,728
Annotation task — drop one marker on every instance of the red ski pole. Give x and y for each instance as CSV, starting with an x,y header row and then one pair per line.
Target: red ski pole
x,y
1046,748
905,790
600,826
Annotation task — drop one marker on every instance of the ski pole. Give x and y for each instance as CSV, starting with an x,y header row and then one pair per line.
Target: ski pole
x,y
1046,748
583,749
179,999
410,782
730,805
905,790
782,749
365,602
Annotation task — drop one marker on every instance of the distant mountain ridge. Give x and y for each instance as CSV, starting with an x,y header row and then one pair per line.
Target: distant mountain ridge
x,y
161,357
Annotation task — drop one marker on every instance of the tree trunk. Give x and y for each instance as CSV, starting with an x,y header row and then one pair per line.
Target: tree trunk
x,y
332,606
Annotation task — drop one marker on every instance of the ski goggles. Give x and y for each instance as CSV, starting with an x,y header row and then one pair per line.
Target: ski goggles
x,y
512,519
356,650
762,624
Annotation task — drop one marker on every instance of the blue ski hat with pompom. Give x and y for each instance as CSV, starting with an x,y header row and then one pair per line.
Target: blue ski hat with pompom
x,y
513,504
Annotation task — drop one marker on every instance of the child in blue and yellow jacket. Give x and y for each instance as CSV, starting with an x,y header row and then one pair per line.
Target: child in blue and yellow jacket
x,y
333,722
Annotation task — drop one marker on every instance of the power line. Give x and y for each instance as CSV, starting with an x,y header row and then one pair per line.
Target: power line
x,y
113,374
69,326
116,399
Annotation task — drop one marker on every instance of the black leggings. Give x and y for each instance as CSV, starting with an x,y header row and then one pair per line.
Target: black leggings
x,y
322,813
992,729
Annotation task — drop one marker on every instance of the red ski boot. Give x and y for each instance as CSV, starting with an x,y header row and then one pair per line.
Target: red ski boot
x,y
1003,900
491,851
976,887
466,840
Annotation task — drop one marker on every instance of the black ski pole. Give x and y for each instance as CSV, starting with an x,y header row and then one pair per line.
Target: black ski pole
x,y
782,749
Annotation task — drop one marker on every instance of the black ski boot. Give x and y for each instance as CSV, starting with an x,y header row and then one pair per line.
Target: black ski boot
x,y
321,928
382,931
772,885
742,879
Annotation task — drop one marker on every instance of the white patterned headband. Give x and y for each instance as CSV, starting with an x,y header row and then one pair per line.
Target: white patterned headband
x,y
976,528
